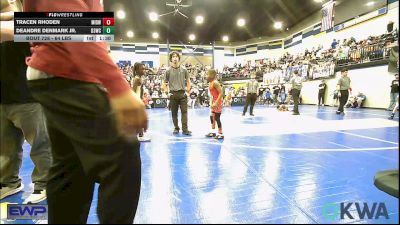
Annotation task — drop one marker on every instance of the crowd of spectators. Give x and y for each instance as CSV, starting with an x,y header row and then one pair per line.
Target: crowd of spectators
x,y
343,52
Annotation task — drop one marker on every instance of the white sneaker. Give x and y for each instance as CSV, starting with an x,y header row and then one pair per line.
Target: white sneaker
x,y
7,191
36,197
144,139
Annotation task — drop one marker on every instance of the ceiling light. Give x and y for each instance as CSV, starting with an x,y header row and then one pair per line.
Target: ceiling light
x,y
153,16
318,1
370,3
278,25
130,34
192,37
225,38
199,19
241,22
121,14
155,35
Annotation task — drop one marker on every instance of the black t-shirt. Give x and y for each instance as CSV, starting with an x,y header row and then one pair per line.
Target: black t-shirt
x,y
14,88
261,91
395,86
276,90
193,95
323,89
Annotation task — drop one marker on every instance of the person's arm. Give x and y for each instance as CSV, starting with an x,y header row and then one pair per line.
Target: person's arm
x,y
7,31
338,86
136,83
187,82
350,89
258,89
130,113
166,81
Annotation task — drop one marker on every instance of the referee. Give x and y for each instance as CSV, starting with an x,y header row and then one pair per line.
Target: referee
x,y
297,84
178,83
343,87
252,93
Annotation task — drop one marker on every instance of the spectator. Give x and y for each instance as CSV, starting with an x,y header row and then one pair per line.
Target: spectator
x,y
396,108
321,93
193,97
268,97
228,99
92,120
146,100
360,99
282,96
335,95
351,101
276,91
394,92
137,86
21,118
283,88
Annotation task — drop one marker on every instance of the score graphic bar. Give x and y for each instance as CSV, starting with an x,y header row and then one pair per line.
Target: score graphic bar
x,y
64,26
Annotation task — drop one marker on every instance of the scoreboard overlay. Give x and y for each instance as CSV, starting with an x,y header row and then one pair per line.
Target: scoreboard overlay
x,y
64,26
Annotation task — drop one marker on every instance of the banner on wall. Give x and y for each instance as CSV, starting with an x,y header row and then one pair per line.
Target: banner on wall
x,y
238,101
322,70
160,102
149,64
238,86
302,69
123,63
274,77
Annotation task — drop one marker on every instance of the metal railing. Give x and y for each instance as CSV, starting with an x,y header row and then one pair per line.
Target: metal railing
x,y
364,55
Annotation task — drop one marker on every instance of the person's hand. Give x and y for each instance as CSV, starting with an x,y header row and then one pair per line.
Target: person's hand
x,y
7,31
7,16
214,105
130,113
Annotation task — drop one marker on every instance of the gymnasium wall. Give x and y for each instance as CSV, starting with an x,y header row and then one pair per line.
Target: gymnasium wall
x,y
374,82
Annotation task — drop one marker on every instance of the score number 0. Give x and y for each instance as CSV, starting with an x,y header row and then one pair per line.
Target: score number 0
x,y
108,21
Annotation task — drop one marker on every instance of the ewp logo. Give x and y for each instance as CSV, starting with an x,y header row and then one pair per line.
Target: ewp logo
x,y
334,211
26,212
